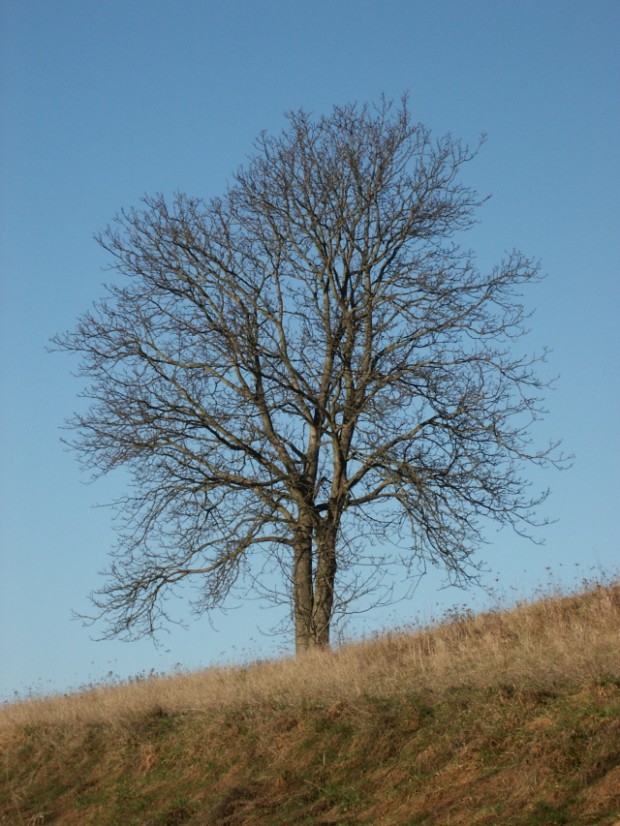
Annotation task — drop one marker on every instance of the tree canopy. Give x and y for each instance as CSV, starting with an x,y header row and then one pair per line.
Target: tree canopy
x,y
308,374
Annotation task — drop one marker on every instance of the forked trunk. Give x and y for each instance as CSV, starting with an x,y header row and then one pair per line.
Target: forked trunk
x,y
313,584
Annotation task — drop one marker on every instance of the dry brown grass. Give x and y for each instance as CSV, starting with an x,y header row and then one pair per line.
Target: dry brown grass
x,y
549,642
506,717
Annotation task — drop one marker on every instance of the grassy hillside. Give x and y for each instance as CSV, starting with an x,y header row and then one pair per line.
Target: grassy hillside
x,y
504,718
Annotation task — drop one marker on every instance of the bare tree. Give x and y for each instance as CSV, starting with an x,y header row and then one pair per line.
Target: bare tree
x,y
308,363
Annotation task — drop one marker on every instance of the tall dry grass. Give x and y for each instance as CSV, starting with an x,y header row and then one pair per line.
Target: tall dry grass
x,y
554,640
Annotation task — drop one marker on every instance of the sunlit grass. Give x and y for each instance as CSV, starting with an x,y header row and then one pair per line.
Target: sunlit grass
x,y
506,717
550,641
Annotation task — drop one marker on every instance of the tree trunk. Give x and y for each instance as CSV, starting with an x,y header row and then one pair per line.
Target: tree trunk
x,y
324,587
302,589
314,576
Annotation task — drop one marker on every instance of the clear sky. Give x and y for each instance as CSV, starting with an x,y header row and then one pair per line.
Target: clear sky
x,y
102,102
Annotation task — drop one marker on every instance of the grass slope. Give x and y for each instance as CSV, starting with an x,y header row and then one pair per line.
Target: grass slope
x,y
508,718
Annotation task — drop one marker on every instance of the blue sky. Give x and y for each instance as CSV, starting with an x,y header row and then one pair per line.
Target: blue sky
x,y
102,102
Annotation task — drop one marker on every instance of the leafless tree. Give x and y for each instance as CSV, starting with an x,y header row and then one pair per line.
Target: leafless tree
x,y
309,371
